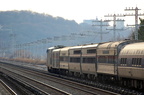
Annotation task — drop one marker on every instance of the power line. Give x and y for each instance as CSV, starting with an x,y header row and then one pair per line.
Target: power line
x,y
101,26
114,23
136,19
12,37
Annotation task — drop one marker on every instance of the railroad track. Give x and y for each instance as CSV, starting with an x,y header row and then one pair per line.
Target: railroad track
x,y
39,86
81,88
5,89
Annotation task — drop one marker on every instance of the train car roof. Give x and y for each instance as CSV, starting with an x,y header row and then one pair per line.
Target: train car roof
x,y
133,49
56,50
109,45
137,46
84,46
90,46
61,49
76,47
65,48
51,48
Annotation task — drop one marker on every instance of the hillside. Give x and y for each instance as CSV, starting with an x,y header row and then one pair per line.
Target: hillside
x,y
30,26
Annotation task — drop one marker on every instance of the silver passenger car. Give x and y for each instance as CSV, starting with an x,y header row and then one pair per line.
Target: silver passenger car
x,y
64,58
107,56
131,61
88,64
75,59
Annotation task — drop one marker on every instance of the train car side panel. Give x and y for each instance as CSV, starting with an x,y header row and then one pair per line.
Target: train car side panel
x,y
49,58
89,65
64,58
56,58
131,60
75,59
106,55
130,66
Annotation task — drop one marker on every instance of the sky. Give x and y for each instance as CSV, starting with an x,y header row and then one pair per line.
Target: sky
x,y
77,10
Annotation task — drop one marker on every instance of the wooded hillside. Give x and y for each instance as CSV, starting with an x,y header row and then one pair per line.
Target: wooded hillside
x,y
30,26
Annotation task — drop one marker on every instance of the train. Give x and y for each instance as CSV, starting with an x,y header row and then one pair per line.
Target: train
x,y
119,62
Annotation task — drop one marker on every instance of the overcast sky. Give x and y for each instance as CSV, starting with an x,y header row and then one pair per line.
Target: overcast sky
x,y
77,10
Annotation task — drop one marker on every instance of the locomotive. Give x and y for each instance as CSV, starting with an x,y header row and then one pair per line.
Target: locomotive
x,y
119,62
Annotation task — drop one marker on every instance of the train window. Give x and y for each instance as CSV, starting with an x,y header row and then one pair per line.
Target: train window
x,y
77,51
63,54
139,62
89,60
142,52
76,60
102,59
91,51
133,61
105,52
57,54
64,59
47,51
136,61
61,58
111,59
123,61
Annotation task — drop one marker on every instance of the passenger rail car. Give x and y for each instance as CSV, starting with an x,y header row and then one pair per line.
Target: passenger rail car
x,y
131,65
110,61
82,61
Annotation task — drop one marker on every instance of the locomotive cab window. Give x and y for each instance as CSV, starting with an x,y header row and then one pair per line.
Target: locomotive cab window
x,y
47,51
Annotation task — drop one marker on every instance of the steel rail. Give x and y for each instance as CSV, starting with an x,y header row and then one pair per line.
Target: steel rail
x,y
8,88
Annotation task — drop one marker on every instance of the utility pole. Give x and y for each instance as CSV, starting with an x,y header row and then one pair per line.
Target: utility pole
x,y
114,23
101,26
6,47
136,19
13,42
